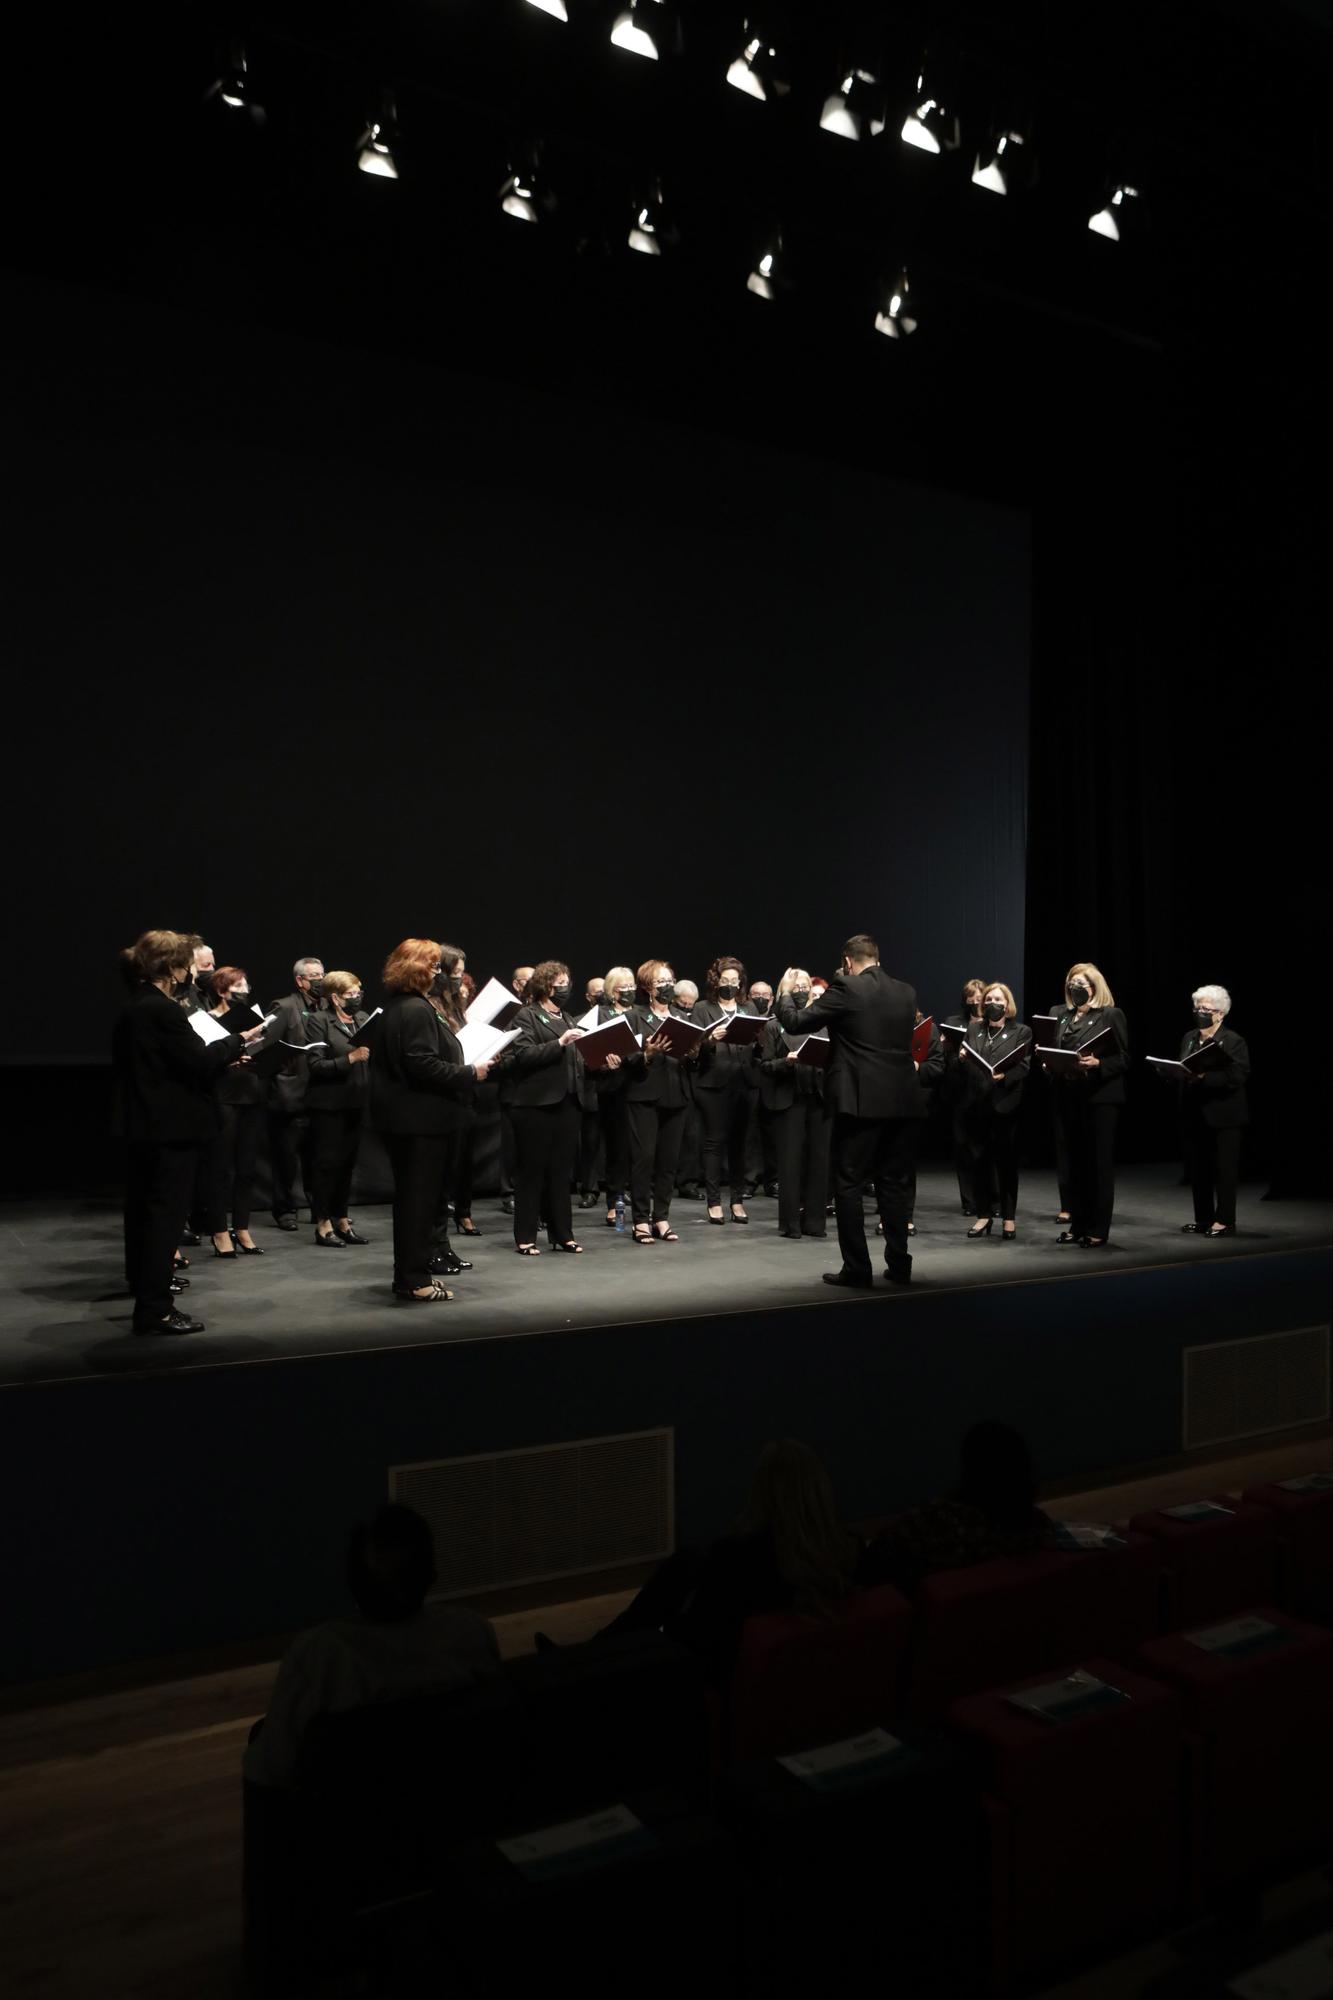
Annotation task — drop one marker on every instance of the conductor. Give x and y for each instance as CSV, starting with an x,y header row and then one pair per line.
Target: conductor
x,y
871,1095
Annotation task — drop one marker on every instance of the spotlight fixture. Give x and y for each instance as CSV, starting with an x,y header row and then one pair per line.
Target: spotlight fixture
x,y
556,8
752,70
525,194
652,229
1110,218
930,128
897,314
374,154
635,30
232,88
855,110
771,274
994,166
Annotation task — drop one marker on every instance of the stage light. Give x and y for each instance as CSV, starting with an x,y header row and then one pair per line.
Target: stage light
x,y
752,70
652,230
232,88
555,8
1109,220
855,110
897,314
631,29
930,128
375,146
526,195
770,274
994,165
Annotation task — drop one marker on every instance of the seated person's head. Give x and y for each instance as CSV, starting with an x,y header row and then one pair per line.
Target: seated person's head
x,y
391,1564
995,1473
792,1500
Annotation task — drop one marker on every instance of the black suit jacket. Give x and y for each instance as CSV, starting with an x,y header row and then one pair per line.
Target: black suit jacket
x,y
1106,1083
165,1072
419,1082
869,1017
782,1082
1218,1097
332,1082
539,1070
983,1094
661,1081
720,1067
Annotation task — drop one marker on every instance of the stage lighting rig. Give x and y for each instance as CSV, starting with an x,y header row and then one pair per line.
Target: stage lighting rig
x,y
652,231
856,109
232,88
555,8
1003,161
374,149
1113,215
648,28
526,194
771,274
754,69
928,126
897,315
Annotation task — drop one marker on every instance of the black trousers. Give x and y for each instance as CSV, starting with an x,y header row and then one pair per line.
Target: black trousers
x,y
590,1148
1063,1180
158,1184
460,1193
991,1139
801,1145
230,1169
506,1148
289,1159
420,1162
761,1164
690,1152
613,1111
963,1160
1089,1131
726,1122
1214,1168
546,1147
882,1151
654,1145
334,1139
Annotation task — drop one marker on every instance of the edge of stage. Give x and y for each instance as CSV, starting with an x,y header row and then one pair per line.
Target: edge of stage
x,y
200,1500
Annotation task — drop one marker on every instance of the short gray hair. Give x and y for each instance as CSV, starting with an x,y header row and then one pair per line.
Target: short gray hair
x,y
1215,998
301,969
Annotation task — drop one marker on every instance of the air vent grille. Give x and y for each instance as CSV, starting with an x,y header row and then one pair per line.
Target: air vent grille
x,y
1247,1388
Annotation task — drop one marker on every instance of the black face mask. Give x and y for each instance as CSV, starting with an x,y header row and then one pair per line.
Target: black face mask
x,y
352,1002
801,995
994,1010
1079,993
728,992
1203,1017
560,995
439,985
203,980
665,992
625,997
239,995
180,987
760,1006
315,989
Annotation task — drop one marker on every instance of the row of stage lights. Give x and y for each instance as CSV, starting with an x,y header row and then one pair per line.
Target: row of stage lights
x,y
856,110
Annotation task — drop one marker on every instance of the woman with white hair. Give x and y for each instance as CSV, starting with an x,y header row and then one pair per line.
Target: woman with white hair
x,y
1215,1112
791,1095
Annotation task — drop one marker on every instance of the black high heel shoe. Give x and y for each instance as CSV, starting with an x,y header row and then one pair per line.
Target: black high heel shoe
x,y
349,1235
1007,1235
246,1249
225,1255
330,1242
982,1228
739,1218
718,1219
1067,1236
466,1226
449,1263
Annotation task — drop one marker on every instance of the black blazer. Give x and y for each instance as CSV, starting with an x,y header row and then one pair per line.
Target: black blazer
x,y
721,1068
782,1082
661,1081
983,1094
869,1017
538,1069
297,1019
333,1083
931,1070
608,1082
165,1072
1106,1083
1218,1098
419,1082
951,1083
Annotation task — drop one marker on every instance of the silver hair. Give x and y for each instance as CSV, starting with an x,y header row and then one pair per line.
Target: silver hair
x,y
1215,998
687,982
301,969
201,946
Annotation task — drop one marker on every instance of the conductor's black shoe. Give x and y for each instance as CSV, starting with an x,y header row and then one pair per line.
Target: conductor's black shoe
x,y
507,1205
190,1236
179,1284
449,1262
174,1322
850,1279
771,1190
589,1198
899,1272
287,1221
1190,1229
348,1235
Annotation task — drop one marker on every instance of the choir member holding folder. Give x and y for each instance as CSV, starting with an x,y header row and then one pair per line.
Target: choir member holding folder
x,y
1215,1110
791,1097
655,1096
723,1086
419,1082
1092,1053
165,1074
337,1091
545,1105
239,1091
617,1004
953,1029
993,1068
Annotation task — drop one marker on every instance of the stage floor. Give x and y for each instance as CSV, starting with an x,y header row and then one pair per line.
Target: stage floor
x,y
63,1316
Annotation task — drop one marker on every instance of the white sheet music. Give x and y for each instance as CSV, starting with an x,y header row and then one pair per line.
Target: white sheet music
x,y
207,1029
487,1004
481,1043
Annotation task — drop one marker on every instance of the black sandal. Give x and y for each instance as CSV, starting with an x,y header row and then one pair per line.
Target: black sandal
x,y
527,1250
574,1249
466,1226
435,1296
643,1233
665,1235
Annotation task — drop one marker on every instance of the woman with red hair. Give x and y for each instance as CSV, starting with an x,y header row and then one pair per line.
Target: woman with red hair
x,y
419,1082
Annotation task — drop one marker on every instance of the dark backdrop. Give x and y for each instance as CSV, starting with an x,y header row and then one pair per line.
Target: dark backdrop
x,y
319,650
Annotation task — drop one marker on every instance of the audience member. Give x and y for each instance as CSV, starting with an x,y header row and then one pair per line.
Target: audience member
x,y
991,1512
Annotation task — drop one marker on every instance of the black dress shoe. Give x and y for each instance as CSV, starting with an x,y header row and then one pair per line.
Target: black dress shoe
x,y
1093,1243
349,1236
449,1262
329,1241
287,1221
190,1236
174,1322
589,1198
899,1272
793,1234
1190,1229
850,1279
179,1284
771,1190
507,1205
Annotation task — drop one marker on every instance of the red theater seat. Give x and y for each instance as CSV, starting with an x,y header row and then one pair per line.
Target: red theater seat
x,y
985,1626
802,1680
1086,1819
1215,1563
1305,1523
1263,1724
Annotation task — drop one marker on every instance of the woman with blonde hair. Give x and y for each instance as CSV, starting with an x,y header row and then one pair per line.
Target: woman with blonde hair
x,y
791,1098
619,990
337,1090
1088,1100
990,1105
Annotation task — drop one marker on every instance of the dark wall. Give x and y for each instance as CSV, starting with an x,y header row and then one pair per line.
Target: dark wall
x,y
320,650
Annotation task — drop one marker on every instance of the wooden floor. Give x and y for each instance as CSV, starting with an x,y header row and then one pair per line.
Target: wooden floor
x,y
120,1826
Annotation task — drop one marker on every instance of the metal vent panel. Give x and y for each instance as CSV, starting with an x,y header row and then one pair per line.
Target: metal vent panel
x,y
518,1517
1247,1388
